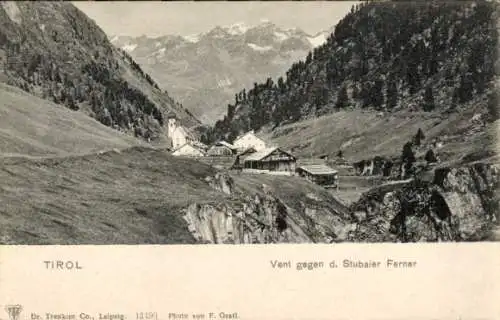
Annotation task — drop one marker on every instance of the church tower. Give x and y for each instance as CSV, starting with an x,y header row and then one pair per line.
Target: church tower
x,y
172,125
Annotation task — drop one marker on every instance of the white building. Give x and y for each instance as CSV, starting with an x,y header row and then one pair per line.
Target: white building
x,y
178,135
249,140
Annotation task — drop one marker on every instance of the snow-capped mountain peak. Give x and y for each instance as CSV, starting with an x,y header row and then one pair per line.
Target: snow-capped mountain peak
x,y
129,47
193,38
237,28
259,48
318,39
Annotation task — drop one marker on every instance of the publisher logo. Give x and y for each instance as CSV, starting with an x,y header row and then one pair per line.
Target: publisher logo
x,y
14,311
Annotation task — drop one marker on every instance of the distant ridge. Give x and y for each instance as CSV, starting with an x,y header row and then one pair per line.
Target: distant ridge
x,y
205,70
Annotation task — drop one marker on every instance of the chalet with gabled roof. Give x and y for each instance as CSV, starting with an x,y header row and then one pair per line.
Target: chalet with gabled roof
x,y
270,160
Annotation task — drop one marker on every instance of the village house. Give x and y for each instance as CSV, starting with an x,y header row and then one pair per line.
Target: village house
x,y
320,174
221,148
270,160
249,140
191,149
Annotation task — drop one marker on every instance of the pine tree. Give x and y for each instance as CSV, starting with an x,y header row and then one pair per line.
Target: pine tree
x,y
465,88
419,137
391,94
309,58
430,157
281,84
428,99
407,156
377,95
493,105
355,92
342,98
230,112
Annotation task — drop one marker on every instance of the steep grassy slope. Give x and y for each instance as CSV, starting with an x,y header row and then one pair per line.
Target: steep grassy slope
x,y
36,127
109,198
364,134
54,51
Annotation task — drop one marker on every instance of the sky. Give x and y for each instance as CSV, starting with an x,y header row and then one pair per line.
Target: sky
x,y
155,18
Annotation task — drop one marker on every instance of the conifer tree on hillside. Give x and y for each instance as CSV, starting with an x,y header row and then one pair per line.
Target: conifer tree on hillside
x,y
342,98
465,89
391,94
419,137
407,156
428,100
430,157
377,95
493,105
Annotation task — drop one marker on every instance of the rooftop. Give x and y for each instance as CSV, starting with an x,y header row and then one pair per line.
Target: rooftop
x,y
259,155
225,144
317,169
251,132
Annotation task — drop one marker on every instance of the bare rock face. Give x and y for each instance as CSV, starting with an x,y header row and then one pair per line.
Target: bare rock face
x,y
242,219
472,198
460,204
262,219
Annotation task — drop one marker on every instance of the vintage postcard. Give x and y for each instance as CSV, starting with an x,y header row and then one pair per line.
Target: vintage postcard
x,y
249,160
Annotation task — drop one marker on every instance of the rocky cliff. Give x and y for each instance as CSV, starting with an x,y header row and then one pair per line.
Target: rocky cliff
x,y
457,204
264,218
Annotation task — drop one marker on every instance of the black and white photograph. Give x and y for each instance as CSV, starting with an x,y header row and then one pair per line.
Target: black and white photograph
x,y
148,123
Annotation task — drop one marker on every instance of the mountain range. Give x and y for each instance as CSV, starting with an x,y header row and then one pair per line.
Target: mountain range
x,y
205,70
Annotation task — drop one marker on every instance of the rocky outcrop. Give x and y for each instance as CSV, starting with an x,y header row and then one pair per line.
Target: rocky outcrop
x,y
241,219
376,166
264,218
258,220
449,204
459,204
221,182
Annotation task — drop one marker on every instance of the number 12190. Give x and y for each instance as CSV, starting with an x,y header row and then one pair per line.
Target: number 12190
x,y
146,316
